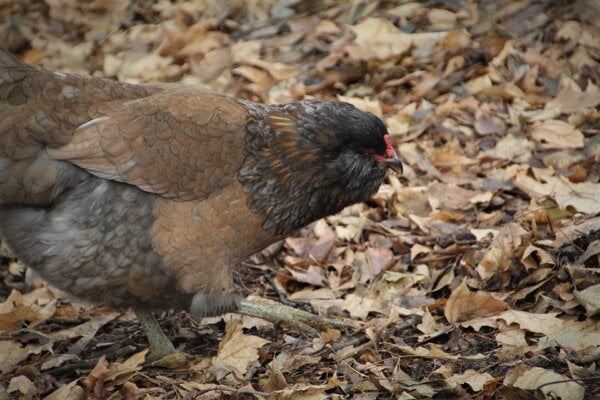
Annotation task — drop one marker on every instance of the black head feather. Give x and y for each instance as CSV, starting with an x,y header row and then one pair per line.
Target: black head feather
x,y
305,161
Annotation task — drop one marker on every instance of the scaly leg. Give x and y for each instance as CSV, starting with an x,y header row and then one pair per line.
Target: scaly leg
x,y
160,345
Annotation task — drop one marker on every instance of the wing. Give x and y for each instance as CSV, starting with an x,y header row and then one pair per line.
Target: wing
x,y
183,143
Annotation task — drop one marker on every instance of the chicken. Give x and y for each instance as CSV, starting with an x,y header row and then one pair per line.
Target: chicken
x,y
148,196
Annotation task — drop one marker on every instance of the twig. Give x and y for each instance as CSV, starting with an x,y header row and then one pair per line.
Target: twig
x,y
301,320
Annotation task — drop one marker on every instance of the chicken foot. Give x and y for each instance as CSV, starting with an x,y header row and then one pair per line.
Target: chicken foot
x,y
160,345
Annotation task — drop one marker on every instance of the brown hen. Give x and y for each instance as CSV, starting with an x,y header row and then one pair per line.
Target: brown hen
x,y
147,196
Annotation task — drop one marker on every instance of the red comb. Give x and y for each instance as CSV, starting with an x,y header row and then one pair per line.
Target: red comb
x,y
389,149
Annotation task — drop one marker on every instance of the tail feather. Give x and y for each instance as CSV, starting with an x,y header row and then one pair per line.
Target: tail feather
x,y
38,109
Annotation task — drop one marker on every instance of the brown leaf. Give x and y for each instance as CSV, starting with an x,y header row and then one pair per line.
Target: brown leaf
x,y
278,71
33,307
378,259
70,391
441,19
236,350
545,380
275,381
377,39
21,384
556,134
583,197
485,124
571,99
372,106
260,80
94,382
290,361
464,305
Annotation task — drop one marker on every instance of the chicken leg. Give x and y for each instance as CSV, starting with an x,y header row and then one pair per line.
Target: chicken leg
x,y
160,345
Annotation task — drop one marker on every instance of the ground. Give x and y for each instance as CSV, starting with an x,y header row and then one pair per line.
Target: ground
x,y
473,275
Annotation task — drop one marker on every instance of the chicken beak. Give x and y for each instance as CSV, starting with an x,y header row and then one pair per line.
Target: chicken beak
x,y
394,164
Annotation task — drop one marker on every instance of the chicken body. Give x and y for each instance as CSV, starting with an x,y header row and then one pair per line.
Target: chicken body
x,y
147,196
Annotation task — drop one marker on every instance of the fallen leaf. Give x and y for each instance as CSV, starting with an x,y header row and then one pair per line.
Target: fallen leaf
x,y
377,38
260,81
360,306
23,386
539,323
292,361
94,381
547,381
307,392
278,71
476,380
464,305
33,307
570,340
237,350
510,148
12,353
556,134
378,258
432,350
372,106
571,99
573,30
567,234
441,19
583,197
70,391
590,299
535,257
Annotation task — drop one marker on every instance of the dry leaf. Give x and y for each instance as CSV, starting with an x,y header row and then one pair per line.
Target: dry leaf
x,y
371,106
556,134
33,307
590,299
377,39
237,350
548,382
540,323
12,353
567,234
570,340
441,19
360,306
21,384
260,80
70,391
474,379
534,257
278,71
464,305
510,148
583,197
292,361
571,99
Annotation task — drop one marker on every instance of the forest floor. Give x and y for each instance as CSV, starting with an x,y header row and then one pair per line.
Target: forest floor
x,y
474,275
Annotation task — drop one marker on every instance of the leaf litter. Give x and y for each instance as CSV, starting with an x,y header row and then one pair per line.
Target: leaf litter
x,y
475,274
